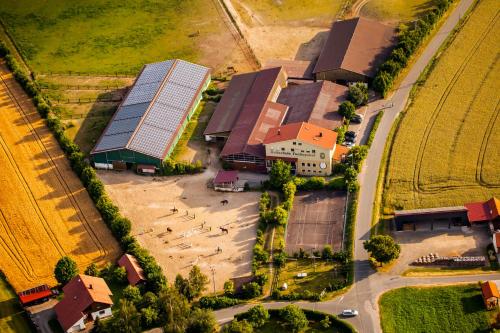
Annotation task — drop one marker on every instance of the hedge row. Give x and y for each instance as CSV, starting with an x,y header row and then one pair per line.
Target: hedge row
x,y
217,302
409,41
319,183
377,121
119,225
171,167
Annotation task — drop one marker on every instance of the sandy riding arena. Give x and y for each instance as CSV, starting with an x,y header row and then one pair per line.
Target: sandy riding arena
x,y
194,233
45,213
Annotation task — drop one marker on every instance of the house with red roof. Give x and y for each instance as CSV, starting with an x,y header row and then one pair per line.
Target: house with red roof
x,y
228,181
135,274
85,299
484,211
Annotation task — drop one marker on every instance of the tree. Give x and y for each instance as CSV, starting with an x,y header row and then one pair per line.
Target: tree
x,y
327,252
127,319
257,316
229,288
260,253
96,189
65,270
121,226
347,110
280,259
383,248
280,215
197,281
149,317
358,93
294,318
201,321
251,290
174,310
119,275
182,286
281,173
238,327
92,270
382,82
132,294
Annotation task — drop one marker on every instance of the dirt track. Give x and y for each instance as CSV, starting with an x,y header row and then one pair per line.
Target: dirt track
x,y
45,212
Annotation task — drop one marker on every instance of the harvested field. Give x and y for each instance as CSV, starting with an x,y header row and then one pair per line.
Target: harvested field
x,y
192,235
395,11
316,220
445,151
45,213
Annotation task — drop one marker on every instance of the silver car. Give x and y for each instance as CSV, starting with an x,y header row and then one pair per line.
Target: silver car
x,y
349,313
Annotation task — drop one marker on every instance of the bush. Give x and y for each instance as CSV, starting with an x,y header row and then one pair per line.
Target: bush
x,y
294,318
217,302
261,279
92,270
358,94
238,327
327,252
280,174
121,227
65,270
133,294
260,254
257,316
120,275
347,110
250,290
280,259
229,288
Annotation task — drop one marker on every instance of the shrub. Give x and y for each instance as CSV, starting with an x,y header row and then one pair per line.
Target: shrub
x,y
149,317
108,210
238,327
347,110
358,93
280,174
133,294
294,318
257,316
250,290
92,270
229,288
65,270
260,254
121,227
327,252
96,189
280,259
217,302
120,275
261,279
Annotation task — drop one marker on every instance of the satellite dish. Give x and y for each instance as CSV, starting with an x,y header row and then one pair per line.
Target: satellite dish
x,y
322,165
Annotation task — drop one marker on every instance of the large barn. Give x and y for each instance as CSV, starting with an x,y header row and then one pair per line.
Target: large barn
x,y
153,115
354,50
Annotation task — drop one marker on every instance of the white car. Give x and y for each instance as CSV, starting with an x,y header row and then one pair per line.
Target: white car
x,y
349,313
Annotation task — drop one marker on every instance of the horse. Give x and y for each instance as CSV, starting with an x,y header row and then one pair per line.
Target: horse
x,y
169,229
224,202
174,210
224,230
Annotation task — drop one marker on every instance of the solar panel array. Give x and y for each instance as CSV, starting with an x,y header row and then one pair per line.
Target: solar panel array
x,y
166,112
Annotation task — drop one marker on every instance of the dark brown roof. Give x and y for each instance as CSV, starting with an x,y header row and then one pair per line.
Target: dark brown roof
x,y
231,104
426,211
258,113
357,45
295,69
316,103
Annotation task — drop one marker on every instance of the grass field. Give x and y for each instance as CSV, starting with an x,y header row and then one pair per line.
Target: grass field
x,y
317,12
319,274
439,309
12,317
45,213
396,10
445,150
101,36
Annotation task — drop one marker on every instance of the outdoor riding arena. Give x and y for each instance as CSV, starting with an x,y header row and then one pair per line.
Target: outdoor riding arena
x,y
317,219
202,230
45,213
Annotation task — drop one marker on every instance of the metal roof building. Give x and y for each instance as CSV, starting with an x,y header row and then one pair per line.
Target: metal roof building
x,y
153,115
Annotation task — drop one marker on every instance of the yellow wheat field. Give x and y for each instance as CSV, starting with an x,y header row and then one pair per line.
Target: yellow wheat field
x,y
45,213
447,148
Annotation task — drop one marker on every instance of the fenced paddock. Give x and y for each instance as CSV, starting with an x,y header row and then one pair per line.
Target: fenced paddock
x,y
316,220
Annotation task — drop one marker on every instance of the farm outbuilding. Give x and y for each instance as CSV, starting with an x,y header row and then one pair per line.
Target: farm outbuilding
x,y
153,115
354,50
414,219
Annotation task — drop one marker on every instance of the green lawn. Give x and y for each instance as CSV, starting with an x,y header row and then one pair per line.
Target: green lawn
x,y
12,317
440,309
396,10
102,36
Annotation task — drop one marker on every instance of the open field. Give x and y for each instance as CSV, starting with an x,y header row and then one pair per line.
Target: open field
x,y
12,316
437,309
45,212
316,220
196,233
445,151
100,36
394,11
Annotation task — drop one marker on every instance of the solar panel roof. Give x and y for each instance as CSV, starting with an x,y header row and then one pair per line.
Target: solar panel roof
x,y
151,114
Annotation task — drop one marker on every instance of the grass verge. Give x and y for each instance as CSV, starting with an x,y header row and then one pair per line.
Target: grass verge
x,y
12,316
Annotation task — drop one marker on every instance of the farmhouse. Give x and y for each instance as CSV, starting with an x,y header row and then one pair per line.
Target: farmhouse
x,y
85,298
254,103
153,115
308,148
354,50
135,274
484,211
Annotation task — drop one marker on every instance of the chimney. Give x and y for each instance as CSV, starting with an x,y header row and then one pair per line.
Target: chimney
x,y
320,134
90,286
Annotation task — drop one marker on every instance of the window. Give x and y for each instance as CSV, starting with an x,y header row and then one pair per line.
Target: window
x,y
301,151
294,143
313,151
307,151
102,312
303,164
300,143
292,149
308,170
308,164
314,164
282,148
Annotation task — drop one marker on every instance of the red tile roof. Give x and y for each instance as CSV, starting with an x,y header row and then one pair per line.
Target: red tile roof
x,y
340,152
79,294
296,69
223,176
135,274
357,45
34,294
483,211
312,134
489,289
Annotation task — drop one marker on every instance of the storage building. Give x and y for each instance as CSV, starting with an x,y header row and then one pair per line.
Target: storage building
x,y
354,50
152,117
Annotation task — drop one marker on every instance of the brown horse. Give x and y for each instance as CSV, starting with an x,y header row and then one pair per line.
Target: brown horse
x,y
224,230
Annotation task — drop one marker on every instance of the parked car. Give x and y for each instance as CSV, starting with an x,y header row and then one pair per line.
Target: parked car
x,y
357,119
348,144
350,134
350,313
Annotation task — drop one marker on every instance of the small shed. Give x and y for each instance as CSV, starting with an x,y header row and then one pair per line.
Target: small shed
x,y
146,169
228,181
35,295
135,274
490,294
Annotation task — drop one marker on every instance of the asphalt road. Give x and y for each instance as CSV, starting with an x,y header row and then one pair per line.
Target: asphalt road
x,y
369,285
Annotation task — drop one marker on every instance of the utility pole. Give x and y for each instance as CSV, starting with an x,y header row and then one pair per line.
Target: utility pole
x,y
213,276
